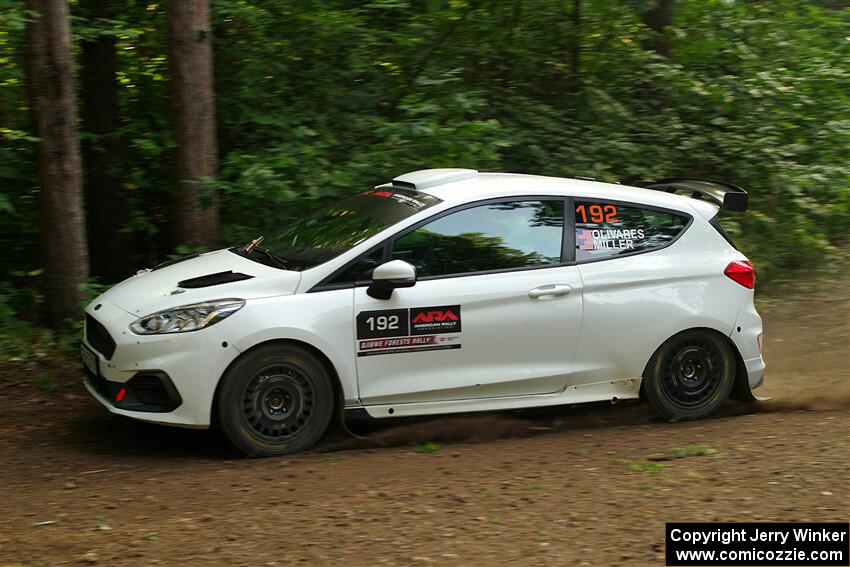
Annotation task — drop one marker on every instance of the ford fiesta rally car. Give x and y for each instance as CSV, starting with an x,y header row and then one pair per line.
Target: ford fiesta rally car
x,y
447,290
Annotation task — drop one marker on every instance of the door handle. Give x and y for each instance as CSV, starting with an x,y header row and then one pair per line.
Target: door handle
x,y
556,290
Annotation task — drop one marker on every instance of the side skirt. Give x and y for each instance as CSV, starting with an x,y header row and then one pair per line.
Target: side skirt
x,y
609,390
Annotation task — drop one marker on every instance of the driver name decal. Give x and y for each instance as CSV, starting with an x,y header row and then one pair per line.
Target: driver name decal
x,y
608,239
395,331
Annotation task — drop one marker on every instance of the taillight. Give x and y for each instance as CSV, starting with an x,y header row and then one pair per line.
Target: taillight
x,y
742,272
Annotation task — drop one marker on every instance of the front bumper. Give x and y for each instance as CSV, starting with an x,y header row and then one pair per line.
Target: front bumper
x,y
186,367
147,391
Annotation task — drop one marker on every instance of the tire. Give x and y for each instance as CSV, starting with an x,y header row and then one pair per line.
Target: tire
x,y
275,400
690,376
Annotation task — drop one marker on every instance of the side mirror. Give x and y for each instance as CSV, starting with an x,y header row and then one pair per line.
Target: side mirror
x,y
388,276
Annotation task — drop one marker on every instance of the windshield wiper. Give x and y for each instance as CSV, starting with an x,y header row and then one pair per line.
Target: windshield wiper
x,y
275,260
271,259
253,244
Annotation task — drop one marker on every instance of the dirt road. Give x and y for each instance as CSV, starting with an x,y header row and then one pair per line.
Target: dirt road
x,y
573,487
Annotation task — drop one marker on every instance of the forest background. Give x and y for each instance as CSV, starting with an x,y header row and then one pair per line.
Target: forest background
x,y
132,131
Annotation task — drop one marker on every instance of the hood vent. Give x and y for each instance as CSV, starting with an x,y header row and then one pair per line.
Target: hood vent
x,y
214,279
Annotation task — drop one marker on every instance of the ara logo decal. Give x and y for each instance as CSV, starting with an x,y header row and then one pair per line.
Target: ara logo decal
x,y
431,316
431,320
399,331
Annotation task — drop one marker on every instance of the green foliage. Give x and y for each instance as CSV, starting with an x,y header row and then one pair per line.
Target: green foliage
x,y
644,466
47,383
21,338
427,447
342,97
317,100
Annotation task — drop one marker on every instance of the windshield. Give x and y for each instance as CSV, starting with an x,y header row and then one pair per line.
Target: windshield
x,y
343,225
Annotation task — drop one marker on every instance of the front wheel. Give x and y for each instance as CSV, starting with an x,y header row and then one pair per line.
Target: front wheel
x,y
275,400
690,376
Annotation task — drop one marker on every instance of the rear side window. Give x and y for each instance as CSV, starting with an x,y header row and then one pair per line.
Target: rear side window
x,y
606,230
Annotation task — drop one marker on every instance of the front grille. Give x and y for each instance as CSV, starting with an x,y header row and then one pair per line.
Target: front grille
x,y
98,337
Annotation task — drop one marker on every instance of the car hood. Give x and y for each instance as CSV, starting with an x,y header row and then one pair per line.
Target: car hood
x,y
216,275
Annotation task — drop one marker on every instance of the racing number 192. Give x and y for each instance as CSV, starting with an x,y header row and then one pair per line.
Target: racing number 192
x,y
598,213
383,323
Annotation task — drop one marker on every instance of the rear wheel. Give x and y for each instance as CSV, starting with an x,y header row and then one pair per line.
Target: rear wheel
x,y
690,376
275,400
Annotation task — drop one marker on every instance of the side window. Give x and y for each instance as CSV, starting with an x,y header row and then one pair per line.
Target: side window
x,y
516,234
361,270
605,230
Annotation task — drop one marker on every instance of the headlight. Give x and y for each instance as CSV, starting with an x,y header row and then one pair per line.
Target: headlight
x,y
187,317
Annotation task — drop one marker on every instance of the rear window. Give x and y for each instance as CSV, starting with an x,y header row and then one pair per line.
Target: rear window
x,y
606,230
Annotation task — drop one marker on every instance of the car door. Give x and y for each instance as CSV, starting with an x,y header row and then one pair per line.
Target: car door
x,y
494,312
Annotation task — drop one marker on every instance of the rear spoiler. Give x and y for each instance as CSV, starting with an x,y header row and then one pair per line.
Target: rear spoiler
x,y
729,197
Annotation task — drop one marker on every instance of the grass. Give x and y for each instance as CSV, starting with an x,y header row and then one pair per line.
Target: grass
x,y
427,447
48,383
332,459
644,466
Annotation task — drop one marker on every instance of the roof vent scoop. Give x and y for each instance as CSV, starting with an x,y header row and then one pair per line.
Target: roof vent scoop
x,y
425,178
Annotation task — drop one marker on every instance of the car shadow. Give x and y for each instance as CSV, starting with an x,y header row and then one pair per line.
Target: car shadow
x,y
491,426
117,436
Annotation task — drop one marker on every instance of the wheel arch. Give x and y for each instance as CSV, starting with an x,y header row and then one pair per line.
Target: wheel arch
x,y
740,388
336,384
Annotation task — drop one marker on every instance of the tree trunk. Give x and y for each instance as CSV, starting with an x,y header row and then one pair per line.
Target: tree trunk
x,y
103,153
575,51
570,82
193,104
50,87
657,18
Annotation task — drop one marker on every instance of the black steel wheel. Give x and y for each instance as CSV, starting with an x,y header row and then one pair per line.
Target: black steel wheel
x,y
690,376
275,400
278,401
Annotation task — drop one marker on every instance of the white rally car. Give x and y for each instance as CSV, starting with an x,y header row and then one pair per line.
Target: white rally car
x,y
447,290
